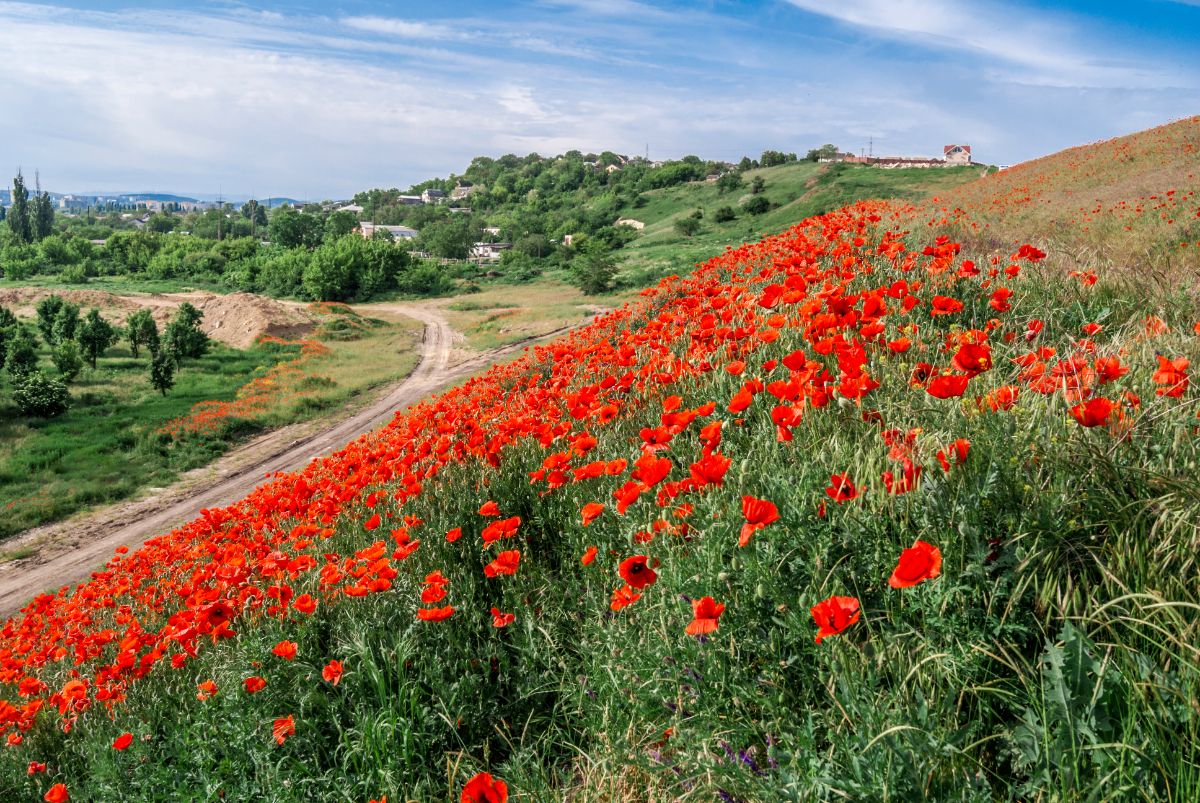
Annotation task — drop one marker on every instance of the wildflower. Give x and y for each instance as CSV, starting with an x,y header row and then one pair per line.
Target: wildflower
x,y
435,614
588,556
333,672
636,572
207,689
57,794
285,650
123,741
254,684
283,728
833,615
623,597
483,788
505,563
705,613
591,511
918,563
501,619
840,488
1094,412
758,513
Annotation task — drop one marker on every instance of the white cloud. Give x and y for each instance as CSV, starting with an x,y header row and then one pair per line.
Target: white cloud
x,y
405,29
1044,50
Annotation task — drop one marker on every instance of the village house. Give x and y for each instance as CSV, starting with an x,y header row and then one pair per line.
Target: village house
x,y
489,252
399,233
433,196
957,154
355,208
461,191
410,200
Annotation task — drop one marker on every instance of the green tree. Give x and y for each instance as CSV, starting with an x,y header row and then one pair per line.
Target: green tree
x,y
47,312
40,395
66,323
8,327
724,214
67,359
293,229
161,223
162,370
183,336
41,219
141,330
729,182
255,212
826,151
451,238
19,222
594,268
758,185
95,336
687,226
339,224
21,359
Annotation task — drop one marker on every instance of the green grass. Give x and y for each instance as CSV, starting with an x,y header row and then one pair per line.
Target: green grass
x,y
796,191
104,448
100,450
118,285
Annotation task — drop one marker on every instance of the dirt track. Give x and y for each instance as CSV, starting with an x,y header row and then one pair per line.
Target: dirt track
x,y
68,552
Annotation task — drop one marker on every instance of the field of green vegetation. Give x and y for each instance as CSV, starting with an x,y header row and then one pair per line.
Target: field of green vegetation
x,y
120,435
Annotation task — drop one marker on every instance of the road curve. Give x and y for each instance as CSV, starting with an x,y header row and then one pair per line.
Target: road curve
x,y
58,562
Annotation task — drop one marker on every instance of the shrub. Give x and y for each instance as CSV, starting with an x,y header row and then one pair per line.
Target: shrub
x,y
41,396
756,205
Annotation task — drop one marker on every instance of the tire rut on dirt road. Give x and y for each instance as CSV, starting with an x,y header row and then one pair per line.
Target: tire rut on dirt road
x,y
61,557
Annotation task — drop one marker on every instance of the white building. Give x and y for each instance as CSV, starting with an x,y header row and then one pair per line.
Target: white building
x,y
367,230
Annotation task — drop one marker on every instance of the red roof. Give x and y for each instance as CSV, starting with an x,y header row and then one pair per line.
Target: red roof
x,y
946,149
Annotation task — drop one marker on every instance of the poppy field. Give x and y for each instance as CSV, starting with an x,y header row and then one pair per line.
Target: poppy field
x,y
883,507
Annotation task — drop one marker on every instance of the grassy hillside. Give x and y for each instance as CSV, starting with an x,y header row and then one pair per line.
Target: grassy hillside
x,y
796,191
854,512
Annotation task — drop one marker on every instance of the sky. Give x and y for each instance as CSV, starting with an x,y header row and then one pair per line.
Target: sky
x,y
316,100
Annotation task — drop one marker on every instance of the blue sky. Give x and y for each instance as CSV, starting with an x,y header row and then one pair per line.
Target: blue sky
x,y
320,99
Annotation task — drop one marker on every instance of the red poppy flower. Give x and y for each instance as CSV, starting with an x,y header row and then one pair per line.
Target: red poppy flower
x,y
123,741
758,513
501,619
305,603
505,563
489,508
57,794
590,511
285,650
918,563
840,488
433,593
483,788
372,522
947,386
973,358
1173,374
945,305
1094,412
636,572
35,767
705,613
454,535
254,684
833,615
710,469
206,689
435,614
588,556
622,597
283,728
333,672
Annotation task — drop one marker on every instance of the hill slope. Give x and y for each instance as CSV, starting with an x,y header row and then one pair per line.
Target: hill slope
x,y
849,512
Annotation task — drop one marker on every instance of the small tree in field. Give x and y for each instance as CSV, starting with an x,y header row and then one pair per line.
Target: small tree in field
x,y
183,336
687,226
141,330
95,336
67,359
594,268
42,396
162,370
21,359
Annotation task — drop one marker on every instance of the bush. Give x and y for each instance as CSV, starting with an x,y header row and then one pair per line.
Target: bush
x,y
757,205
67,359
687,226
41,396
724,214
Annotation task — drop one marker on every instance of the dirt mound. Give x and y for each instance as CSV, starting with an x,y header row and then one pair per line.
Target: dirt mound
x,y
237,319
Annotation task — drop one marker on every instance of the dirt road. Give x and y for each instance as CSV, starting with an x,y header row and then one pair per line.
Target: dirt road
x,y
68,552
